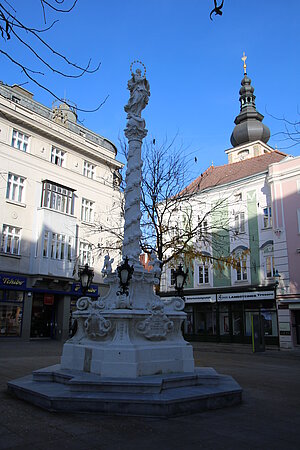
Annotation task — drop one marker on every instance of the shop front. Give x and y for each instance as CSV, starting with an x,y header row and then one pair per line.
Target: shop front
x,y
12,292
227,317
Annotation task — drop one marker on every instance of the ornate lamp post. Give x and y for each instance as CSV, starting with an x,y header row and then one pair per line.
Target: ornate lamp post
x,y
180,279
86,276
125,272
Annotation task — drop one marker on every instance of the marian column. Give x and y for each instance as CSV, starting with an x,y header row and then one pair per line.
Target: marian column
x,y
135,132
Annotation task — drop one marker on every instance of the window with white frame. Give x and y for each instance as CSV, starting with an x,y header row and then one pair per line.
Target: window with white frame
x,y
88,169
19,140
15,187
11,238
267,217
85,250
241,270
57,246
87,210
298,186
58,156
239,222
202,227
172,277
58,197
203,273
269,261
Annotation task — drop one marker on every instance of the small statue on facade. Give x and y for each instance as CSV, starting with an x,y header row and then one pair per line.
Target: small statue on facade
x,y
107,268
156,266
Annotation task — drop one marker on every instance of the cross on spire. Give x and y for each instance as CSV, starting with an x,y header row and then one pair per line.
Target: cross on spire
x,y
245,66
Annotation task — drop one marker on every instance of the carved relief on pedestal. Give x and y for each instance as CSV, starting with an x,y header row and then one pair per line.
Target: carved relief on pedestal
x,y
97,326
156,327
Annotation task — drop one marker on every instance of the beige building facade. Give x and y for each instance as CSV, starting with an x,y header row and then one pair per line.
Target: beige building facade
x,y
59,196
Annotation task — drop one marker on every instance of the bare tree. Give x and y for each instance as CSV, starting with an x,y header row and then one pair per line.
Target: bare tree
x,y
176,222
32,41
290,136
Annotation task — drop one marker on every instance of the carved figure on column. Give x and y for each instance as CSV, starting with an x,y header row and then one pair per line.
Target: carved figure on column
x,y
139,89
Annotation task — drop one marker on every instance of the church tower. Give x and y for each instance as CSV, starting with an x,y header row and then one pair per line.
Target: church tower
x,y
250,135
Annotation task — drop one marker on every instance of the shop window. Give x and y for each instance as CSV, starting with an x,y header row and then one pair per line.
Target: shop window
x,y
87,210
267,217
10,319
58,157
10,242
58,197
89,170
224,320
15,187
85,253
19,140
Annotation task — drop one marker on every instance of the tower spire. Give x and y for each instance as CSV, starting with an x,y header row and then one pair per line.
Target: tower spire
x,y
249,126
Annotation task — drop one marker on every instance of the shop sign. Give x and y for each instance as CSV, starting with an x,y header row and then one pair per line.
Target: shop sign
x,y
284,328
76,288
244,296
48,299
200,299
12,281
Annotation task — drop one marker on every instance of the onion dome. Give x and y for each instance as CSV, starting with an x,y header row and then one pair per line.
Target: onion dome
x,y
249,126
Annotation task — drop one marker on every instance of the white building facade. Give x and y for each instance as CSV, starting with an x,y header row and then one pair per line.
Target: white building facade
x,y
59,185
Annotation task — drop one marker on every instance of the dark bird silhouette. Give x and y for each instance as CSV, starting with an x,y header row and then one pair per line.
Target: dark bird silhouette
x,y
153,141
217,9
196,159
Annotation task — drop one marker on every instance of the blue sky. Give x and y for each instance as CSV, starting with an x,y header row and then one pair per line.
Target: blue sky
x,y
193,65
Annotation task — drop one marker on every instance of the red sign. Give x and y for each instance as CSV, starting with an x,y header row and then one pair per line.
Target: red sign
x,y
48,299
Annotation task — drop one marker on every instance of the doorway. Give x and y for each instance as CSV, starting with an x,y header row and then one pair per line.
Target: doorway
x,y
43,317
297,324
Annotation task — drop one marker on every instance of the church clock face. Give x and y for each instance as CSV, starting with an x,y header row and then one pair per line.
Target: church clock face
x,y
243,155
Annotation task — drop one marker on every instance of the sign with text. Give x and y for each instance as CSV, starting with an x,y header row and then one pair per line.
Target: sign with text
x,y
210,298
12,281
244,296
92,292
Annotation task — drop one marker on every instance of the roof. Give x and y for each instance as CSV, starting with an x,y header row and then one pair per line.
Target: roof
x,y
220,175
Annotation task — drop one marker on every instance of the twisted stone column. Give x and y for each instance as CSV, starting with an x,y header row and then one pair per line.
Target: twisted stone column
x,y
135,132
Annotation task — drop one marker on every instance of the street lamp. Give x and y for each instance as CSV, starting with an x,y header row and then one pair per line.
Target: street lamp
x,y
125,272
86,276
180,279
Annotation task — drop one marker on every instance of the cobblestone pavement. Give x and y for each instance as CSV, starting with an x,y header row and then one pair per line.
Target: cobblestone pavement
x,y
268,418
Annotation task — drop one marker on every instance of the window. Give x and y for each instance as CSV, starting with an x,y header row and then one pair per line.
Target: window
x,y
267,217
172,277
203,274
19,140
57,157
202,227
58,197
88,170
241,270
270,266
57,246
87,210
85,253
269,262
10,242
15,187
239,223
